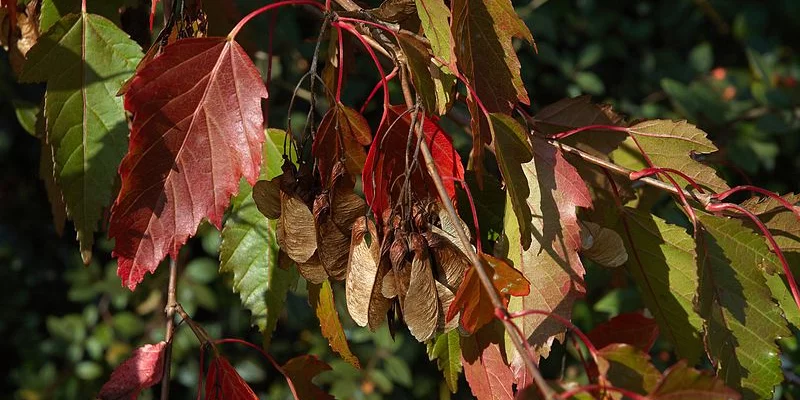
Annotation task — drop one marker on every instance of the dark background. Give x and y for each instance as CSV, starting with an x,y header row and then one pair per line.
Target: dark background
x,y
729,66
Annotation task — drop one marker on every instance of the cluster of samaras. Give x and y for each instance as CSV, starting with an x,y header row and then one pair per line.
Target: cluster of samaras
x,y
408,266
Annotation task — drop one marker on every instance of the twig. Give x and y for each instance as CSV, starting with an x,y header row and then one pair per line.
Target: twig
x,y
484,277
170,327
701,198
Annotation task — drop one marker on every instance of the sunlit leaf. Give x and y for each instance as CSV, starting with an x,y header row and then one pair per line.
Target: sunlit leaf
x,y
446,349
386,162
321,299
196,130
671,144
551,262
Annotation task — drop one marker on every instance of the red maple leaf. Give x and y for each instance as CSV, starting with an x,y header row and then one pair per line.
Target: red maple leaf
x,y
224,383
472,299
196,130
143,369
487,373
385,163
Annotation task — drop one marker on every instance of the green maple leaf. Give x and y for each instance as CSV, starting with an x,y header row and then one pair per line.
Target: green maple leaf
x,y
84,59
671,144
249,248
742,322
662,262
446,349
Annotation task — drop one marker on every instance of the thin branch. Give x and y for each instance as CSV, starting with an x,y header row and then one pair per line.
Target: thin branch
x,y
516,339
169,310
701,198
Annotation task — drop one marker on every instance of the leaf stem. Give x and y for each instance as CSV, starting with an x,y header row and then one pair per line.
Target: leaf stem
x,y
169,310
83,6
268,7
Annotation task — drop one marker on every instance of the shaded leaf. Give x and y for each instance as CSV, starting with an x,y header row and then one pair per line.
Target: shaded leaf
x,y
682,382
433,82
512,150
84,59
267,197
487,59
632,328
446,349
54,196
342,134
602,245
54,10
487,373
224,383
387,156
321,299
144,368
671,144
627,367
741,320
249,249
577,112
662,263
195,132
300,371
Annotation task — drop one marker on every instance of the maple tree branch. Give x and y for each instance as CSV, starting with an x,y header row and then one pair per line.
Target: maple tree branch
x,y
170,326
701,198
516,339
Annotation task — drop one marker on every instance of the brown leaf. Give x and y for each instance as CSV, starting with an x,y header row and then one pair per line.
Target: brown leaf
x,y
300,371
296,233
450,262
342,134
321,298
421,305
602,245
267,195
365,303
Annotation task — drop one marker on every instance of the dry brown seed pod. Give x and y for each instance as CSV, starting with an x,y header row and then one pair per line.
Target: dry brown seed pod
x,y
313,270
296,232
602,245
421,305
365,303
267,196
333,249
